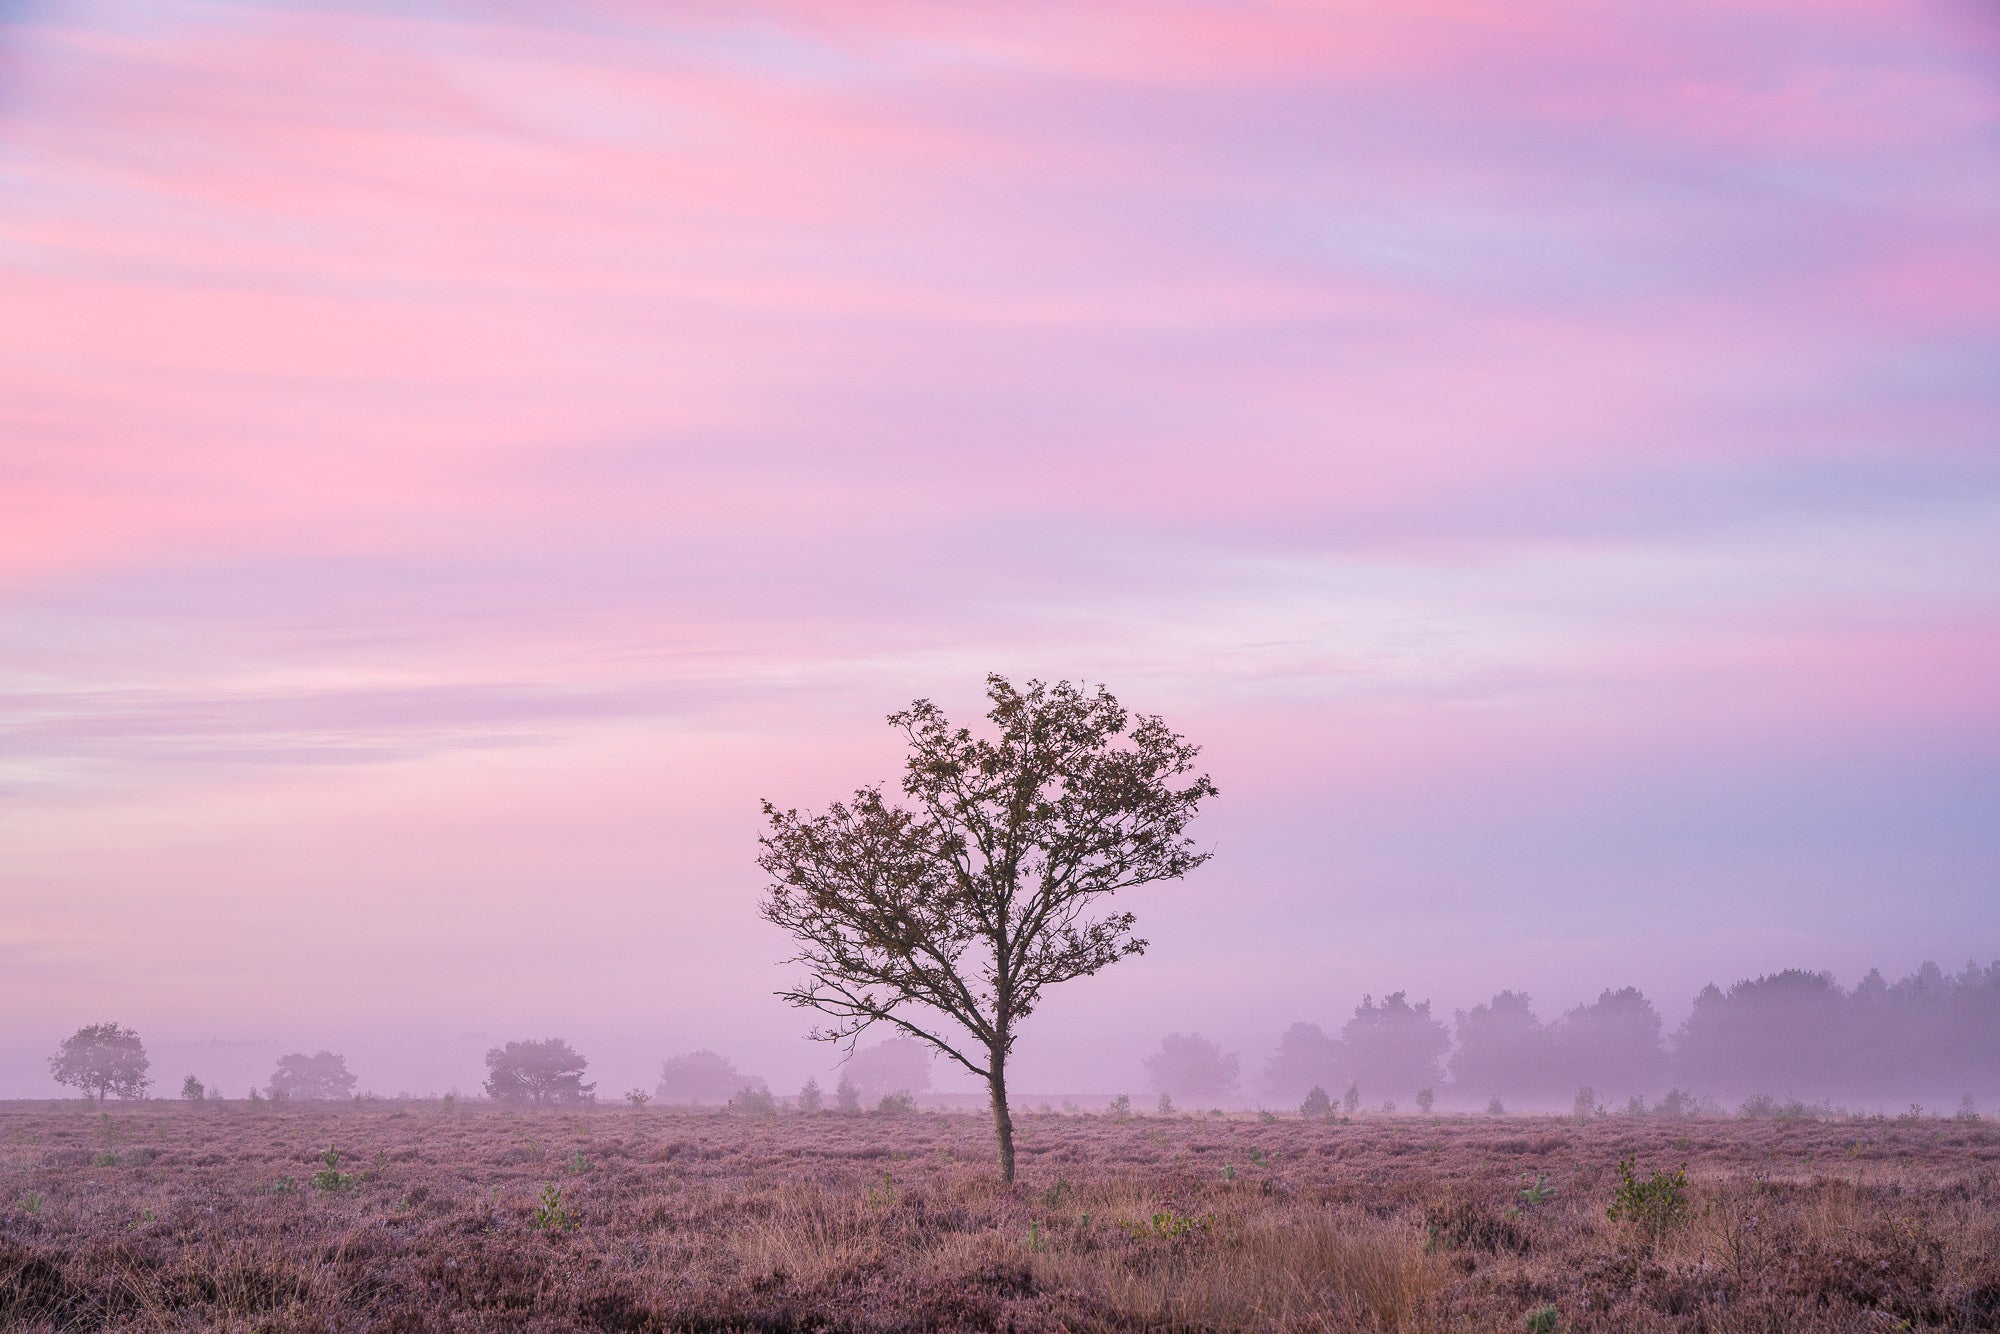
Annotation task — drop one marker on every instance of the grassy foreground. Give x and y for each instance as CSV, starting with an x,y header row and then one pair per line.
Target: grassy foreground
x,y
237,1216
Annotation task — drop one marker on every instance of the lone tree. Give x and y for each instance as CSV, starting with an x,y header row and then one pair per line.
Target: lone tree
x,y
102,1059
547,1071
321,1077
946,918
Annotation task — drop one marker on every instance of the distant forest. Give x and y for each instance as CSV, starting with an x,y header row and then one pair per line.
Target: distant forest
x,y
1932,1036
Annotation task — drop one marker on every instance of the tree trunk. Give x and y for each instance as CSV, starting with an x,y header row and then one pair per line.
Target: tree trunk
x,y
1003,1123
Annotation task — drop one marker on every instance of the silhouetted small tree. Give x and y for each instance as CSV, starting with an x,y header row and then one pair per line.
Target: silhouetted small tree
x,y
1502,1048
810,1098
846,1097
700,1077
193,1090
1192,1066
100,1060
321,1077
900,1065
948,919
1612,1043
547,1071
1305,1057
1317,1106
1395,1047
753,1099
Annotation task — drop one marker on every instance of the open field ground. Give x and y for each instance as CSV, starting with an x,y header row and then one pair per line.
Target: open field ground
x,y
228,1216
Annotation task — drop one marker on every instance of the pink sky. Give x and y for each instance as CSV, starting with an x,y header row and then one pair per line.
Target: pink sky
x,y
453,462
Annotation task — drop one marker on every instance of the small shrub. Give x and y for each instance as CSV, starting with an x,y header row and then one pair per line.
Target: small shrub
x,y
578,1164
1653,1206
1677,1103
638,1097
1538,1194
1494,1107
1584,1105
550,1214
105,1159
1350,1101
1121,1107
1317,1105
1168,1225
1968,1111
1166,1104
896,1104
1542,1320
193,1090
1426,1099
846,1097
810,1098
283,1186
331,1177
32,1201
753,1100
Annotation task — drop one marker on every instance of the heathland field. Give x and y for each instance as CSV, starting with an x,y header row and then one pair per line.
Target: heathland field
x,y
424,1215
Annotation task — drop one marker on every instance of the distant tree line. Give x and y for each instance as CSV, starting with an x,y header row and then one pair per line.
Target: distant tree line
x,y
107,1060
1931,1035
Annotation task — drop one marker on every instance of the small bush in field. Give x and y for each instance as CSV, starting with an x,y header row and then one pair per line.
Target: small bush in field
x,y
1542,1320
846,1097
1166,1105
1317,1105
896,1104
550,1213
1968,1111
1168,1225
754,1100
1585,1104
810,1098
1653,1206
1538,1194
1350,1101
331,1177
193,1090
1677,1103
1426,1099
638,1097
1121,1107
1494,1107
32,1201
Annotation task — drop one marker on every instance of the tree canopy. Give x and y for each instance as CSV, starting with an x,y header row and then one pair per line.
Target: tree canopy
x,y
543,1072
100,1060
701,1077
945,918
321,1077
